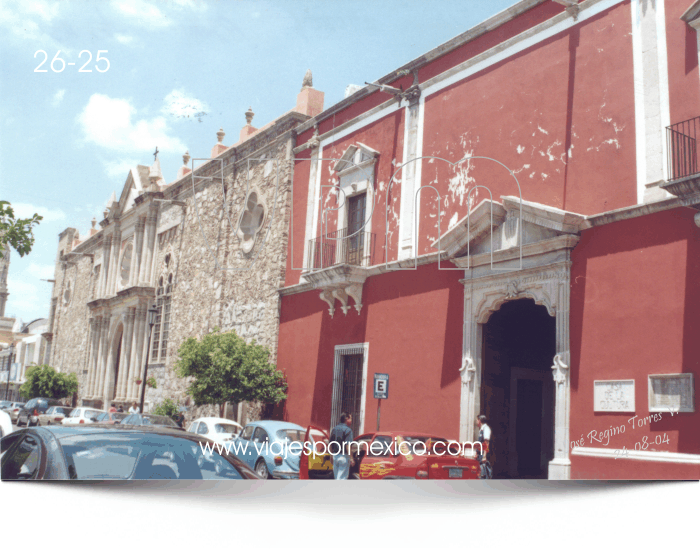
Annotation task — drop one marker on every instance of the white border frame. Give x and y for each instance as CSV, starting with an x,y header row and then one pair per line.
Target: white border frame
x,y
634,401
658,408
338,352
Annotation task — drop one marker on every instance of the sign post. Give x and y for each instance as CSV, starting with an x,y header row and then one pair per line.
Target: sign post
x,y
381,391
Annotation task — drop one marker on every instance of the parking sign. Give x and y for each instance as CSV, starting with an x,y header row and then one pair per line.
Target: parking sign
x,y
381,385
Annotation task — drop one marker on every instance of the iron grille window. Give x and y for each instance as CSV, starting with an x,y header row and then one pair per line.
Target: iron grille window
x,y
351,400
161,329
166,318
155,347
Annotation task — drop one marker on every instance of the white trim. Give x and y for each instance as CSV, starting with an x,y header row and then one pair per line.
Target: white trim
x,y
403,251
638,80
313,201
521,42
339,351
664,101
419,169
647,456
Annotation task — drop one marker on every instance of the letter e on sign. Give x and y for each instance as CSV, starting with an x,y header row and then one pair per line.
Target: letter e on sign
x,y
381,385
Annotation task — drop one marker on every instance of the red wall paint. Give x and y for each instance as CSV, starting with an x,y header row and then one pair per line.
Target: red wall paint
x,y
634,312
573,92
683,77
413,324
605,468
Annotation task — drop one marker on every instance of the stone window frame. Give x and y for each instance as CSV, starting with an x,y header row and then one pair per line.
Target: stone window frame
x,y
128,243
161,329
339,352
247,245
67,294
357,159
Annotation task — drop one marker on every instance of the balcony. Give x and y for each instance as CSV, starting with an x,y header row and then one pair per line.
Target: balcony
x,y
683,170
337,248
682,140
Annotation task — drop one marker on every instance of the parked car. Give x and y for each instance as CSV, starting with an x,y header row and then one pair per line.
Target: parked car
x,y
82,415
5,424
29,414
14,409
54,415
395,455
150,420
91,452
216,429
110,418
261,446
5,405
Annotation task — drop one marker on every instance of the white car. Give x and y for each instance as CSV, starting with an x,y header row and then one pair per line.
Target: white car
x,y
82,415
219,430
5,424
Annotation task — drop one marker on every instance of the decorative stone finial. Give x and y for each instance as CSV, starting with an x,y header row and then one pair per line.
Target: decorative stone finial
x,y
249,114
186,157
220,135
94,221
308,81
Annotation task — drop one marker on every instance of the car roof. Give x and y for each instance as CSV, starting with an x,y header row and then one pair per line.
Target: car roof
x,y
216,419
65,431
276,425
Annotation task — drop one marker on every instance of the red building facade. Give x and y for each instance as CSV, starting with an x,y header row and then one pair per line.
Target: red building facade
x,y
505,227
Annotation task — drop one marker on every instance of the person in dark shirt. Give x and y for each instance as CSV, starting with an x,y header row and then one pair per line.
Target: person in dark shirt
x,y
484,455
339,447
181,420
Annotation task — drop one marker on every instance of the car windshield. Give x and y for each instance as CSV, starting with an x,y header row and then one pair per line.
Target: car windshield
x,y
155,420
290,435
139,456
92,415
225,428
102,417
117,416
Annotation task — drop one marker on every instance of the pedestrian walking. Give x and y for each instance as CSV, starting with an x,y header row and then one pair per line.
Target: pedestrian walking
x,y
112,408
485,451
181,420
339,447
134,409
120,409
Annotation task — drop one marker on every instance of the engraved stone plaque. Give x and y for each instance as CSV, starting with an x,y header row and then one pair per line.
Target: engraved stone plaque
x,y
673,392
613,396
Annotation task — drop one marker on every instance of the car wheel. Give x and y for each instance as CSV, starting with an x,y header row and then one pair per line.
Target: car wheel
x,y
261,469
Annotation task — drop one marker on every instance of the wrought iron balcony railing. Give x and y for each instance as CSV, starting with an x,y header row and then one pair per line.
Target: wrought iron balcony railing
x,y
682,140
338,248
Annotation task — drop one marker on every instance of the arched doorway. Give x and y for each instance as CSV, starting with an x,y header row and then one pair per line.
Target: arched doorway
x,y
517,388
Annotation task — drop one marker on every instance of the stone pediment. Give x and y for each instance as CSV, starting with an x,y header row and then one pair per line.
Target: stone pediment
x,y
340,283
493,227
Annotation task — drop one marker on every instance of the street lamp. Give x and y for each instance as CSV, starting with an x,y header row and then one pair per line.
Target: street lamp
x,y
151,320
9,366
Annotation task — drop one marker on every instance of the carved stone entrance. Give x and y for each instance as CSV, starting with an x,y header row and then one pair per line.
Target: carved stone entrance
x,y
494,273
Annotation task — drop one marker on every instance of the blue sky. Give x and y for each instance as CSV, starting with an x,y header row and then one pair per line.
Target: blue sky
x,y
67,139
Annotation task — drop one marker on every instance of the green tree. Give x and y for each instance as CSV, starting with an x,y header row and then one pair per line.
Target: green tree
x,y
44,381
225,368
16,232
169,408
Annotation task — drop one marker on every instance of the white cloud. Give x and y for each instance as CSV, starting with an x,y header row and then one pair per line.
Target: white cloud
x,y
45,271
58,97
124,39
108,122
26,20
118,169
179,105
24,210
29,297
142,12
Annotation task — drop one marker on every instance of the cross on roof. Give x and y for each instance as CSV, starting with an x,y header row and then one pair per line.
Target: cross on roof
x,y
155,155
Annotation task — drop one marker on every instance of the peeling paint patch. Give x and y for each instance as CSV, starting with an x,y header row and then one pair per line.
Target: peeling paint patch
x,y
612,141
453,221
544,176
520,149
541,130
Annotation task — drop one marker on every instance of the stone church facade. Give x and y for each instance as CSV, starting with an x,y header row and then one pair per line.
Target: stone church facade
x,y
208,250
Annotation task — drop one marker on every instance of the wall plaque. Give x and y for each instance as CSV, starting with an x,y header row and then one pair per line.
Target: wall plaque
x,y
671,392
613,396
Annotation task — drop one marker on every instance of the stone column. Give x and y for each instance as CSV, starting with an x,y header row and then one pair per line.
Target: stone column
x,y
408,179
147,254
138,250
102,361
104,275
470,370
150,267
114,272
560,465
126,356
137,352
96,354
91,350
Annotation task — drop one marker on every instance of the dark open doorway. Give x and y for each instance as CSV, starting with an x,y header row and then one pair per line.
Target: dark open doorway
x,y
517,390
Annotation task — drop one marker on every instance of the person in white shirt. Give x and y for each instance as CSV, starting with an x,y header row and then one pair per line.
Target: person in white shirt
x,y
484,454
134,409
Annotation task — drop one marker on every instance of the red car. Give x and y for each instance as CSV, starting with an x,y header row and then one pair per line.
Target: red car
x,y
392,455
